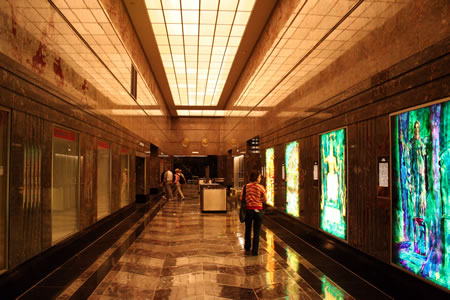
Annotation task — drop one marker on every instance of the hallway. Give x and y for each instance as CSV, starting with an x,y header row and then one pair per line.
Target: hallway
x,y
186,254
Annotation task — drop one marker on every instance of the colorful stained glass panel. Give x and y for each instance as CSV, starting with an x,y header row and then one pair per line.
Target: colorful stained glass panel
x,y
420,192
270,175
333,203
292,174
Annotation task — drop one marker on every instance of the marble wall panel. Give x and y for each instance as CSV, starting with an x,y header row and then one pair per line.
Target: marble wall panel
x,y
280,183
132,176
24,91
29,205
88,180
154,172
115,176
309,188
229,170
222,167
140,175
252,161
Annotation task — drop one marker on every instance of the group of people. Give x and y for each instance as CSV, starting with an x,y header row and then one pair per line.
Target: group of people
x,y
172,183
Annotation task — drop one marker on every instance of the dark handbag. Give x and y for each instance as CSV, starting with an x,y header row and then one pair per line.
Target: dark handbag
x,y
243,210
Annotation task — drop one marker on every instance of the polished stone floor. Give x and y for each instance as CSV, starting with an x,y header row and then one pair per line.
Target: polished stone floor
x,y
185,254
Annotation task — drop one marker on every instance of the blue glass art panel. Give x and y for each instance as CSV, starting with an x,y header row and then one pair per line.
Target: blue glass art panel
x,y
420,192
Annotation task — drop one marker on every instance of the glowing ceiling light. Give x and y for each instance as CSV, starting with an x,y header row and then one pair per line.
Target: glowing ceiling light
x,y
203,36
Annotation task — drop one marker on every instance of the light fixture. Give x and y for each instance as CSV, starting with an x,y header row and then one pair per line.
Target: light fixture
x,y
204,142
195,152
185,142
198,41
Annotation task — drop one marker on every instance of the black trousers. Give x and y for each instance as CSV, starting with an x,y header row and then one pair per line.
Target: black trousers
x,y
255,218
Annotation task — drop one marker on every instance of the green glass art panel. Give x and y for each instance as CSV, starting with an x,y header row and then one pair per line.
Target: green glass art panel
x,y
420,192
270,176
333,172
292,180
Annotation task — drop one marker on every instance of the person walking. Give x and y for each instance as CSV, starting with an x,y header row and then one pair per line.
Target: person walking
x,y
255,196
178,177
168,179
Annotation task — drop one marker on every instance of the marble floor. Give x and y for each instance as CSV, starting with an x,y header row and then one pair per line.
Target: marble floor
x,y
185,254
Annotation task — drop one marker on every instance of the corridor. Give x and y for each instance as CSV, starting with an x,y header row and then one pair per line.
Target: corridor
x,y
185,254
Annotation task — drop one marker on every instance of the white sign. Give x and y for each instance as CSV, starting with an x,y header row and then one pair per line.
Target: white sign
x,y
383,174
316,172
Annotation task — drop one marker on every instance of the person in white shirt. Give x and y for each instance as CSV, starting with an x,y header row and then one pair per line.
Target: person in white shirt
x,y
168,179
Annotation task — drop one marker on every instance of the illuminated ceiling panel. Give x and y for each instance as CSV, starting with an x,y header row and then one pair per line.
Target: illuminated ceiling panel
x,y
198,41
93,25
219,113
316,35
61,39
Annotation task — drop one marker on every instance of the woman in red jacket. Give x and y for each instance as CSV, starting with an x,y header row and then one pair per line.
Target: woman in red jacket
x,y
255,196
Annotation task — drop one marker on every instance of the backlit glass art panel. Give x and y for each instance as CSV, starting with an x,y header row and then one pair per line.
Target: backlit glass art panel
x,y
291,163
270,175
333,172
420,192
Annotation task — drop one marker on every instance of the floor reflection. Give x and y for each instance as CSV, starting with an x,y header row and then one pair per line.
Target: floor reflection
x,y
186,254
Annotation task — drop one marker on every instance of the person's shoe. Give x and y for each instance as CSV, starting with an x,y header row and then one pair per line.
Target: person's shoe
x,y
254,254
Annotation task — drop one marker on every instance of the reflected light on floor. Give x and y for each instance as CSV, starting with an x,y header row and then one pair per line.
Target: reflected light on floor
x,y
330,291
292,259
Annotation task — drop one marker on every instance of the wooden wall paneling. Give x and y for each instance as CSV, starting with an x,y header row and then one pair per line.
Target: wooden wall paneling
x,y
88,180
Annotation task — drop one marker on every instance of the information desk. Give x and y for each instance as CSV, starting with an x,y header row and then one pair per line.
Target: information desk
x,y
213,197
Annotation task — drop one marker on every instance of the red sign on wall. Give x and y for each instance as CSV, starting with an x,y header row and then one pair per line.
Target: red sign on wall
x,y
64,134
102,144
